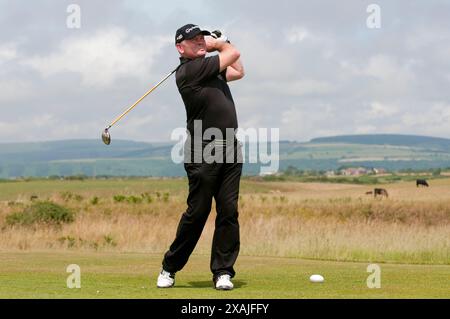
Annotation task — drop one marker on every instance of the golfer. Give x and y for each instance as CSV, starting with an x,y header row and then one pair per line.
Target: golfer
x,y
202,83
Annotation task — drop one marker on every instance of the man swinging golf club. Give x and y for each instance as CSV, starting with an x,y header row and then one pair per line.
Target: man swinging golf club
x,y
202,83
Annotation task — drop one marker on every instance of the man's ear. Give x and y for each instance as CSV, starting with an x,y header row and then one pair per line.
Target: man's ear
x,y
180,48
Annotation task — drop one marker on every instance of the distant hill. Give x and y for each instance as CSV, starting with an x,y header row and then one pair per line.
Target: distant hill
x,y
79,149
131,158
86,157
389,139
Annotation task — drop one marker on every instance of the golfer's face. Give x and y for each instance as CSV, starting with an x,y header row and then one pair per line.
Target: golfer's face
x,y
195,47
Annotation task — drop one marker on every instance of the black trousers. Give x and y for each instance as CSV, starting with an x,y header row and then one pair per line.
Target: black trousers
x,y
207,181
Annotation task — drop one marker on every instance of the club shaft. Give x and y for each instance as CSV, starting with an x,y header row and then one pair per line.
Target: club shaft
x,y
137,102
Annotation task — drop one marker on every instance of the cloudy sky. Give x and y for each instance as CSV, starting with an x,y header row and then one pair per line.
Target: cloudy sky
x,y
313,68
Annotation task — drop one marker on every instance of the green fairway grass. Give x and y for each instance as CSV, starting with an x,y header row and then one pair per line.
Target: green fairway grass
x,y
133,275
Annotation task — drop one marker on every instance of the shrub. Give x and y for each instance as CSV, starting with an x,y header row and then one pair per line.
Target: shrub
x,y
78,198
80,177
109,241
41,212
134,200
119,198
147,197
66,196
71,241
94,200
436,172
166,197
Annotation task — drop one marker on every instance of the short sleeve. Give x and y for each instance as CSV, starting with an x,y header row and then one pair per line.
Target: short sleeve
x,y
202,69
224,74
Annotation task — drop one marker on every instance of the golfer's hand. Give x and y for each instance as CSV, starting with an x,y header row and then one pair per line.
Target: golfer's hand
x,y
219,36
211,44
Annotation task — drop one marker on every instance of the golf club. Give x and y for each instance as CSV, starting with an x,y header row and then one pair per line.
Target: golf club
x,y
106,137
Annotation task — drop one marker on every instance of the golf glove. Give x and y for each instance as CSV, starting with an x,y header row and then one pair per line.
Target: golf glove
x,y
217,34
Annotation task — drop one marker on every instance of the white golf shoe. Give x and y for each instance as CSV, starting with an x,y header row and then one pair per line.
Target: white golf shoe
x,y
223,282
165,279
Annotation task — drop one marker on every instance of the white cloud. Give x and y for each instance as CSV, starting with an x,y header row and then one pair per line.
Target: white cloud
x,y
350,68
303,123
14,90
380,110
308,71
46,126
365,129
263,61
424,37
436,117
8,52
296,34
386,68
293,88
304,87
286,88
103,57
25,128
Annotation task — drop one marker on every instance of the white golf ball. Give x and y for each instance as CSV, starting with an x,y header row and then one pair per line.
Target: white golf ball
x,y
316,278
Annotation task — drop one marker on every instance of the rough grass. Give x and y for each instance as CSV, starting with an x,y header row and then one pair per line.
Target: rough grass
x,y
306,220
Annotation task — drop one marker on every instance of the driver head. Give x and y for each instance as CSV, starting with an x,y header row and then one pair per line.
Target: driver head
x,y
106,137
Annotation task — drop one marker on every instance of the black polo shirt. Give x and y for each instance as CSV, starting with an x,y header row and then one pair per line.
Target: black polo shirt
x,y
206,94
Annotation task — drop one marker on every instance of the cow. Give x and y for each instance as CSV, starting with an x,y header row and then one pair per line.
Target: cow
x,y
369,193
380,191
421,182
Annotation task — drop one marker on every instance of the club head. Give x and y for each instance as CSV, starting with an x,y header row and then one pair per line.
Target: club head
x,y
106,137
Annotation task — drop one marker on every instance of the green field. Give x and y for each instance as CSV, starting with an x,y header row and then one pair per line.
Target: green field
x,y
12,190
289,231
133,275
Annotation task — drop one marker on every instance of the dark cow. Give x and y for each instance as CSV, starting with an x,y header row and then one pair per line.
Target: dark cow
x,y
380,191
421,182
